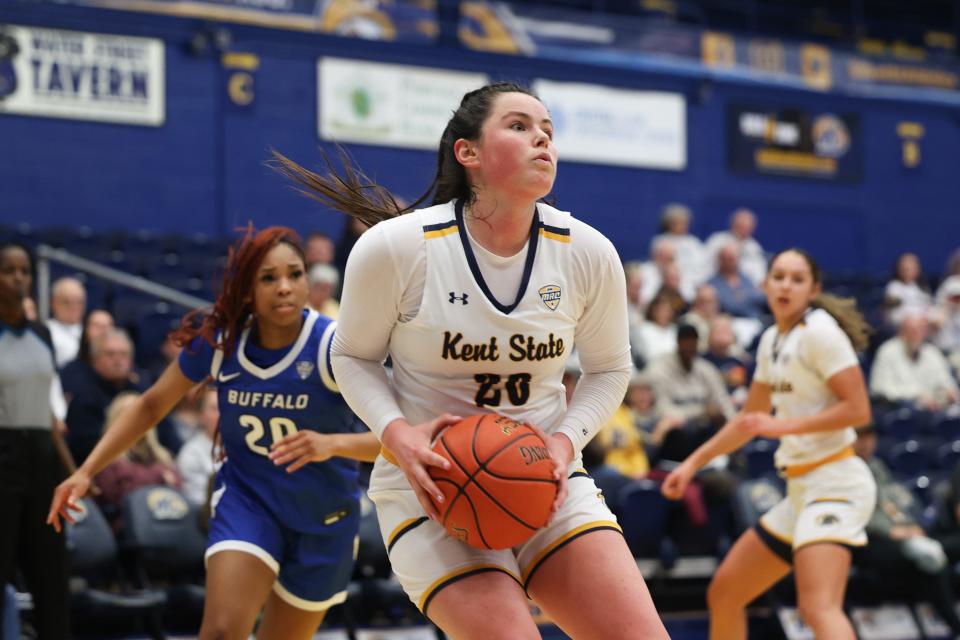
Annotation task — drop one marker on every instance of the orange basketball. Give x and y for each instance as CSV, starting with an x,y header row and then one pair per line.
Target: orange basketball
x,y
499,488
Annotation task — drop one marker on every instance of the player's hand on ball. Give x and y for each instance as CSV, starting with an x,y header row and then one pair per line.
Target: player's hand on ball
x,y
561,451
675,484
409,446
304,447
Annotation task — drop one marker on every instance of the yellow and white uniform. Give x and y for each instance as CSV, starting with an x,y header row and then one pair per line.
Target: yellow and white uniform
x,y
471,332
830,491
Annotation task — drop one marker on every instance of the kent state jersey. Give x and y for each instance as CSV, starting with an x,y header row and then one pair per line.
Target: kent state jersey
x,y
467,352
265,395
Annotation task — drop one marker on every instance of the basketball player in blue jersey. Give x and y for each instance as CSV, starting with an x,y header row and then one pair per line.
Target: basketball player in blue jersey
x,y
479,300
278,539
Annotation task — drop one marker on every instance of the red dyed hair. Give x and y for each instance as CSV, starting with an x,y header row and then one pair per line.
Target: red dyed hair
x,y
234,303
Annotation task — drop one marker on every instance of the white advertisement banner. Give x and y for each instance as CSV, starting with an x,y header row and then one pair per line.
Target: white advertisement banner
x,y
83,76
387,104
603,125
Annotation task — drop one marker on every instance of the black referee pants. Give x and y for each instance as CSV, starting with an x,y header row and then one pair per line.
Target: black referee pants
x,y
29,471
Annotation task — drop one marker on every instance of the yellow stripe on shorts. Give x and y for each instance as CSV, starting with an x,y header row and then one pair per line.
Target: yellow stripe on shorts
x,y
562,540
459,574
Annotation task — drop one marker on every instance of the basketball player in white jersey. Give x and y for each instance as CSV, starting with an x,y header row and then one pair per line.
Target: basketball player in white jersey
x,y
479,300
807,370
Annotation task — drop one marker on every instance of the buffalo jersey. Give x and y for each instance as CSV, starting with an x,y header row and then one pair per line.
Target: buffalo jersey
x,y
265,395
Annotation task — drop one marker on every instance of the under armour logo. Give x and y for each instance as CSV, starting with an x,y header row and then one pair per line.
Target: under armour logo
x,y
455,298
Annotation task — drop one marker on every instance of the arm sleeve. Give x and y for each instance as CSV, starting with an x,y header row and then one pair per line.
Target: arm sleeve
x,y
602,340
195,359
830,350
376,277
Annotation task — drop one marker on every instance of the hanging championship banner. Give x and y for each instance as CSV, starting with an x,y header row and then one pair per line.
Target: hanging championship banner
x,y
81,76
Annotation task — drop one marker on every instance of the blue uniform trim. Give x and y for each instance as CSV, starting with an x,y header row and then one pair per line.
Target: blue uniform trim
x,y
475,268
440,226
555,230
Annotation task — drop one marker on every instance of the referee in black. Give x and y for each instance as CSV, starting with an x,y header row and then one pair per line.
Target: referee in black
x,y
33,459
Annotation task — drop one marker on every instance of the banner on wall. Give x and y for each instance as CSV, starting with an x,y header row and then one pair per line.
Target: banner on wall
x,y
794,142
541,30
388,104
603,125
81,76
412,21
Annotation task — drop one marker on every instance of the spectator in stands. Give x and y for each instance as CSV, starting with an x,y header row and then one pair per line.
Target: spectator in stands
x,y
658,333
948,337
691,387
621,442
898,547
32,455
729,358
633,273
167,353
145,463
195,462
946,529
96,323
324,280
662,255
736,293
908,369
753,260
319,249
907,293
675,289
650,416
952,267
675,220
90,395
702,312
68,301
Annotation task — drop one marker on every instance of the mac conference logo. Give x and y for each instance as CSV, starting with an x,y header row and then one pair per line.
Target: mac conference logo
x,y
550,295
304,369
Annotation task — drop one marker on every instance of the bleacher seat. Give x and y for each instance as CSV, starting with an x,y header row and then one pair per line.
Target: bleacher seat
x,y
945,426
162,532
947,455
904,423
759,457
103,593
909,458
644,521
754,497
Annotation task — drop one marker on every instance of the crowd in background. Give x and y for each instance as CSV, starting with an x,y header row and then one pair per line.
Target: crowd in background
x,y
696,310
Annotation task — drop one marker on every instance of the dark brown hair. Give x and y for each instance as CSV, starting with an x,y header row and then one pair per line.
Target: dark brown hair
x,y
234,302
843,310
354,194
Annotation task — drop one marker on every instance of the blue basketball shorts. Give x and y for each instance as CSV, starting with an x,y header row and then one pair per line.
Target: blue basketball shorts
x,y
313,569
